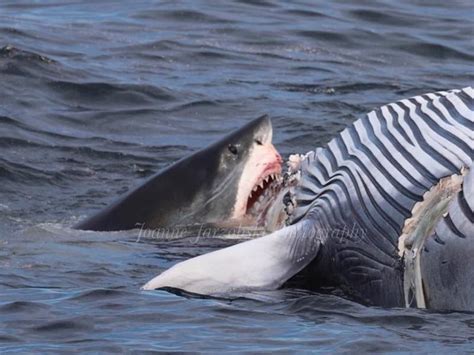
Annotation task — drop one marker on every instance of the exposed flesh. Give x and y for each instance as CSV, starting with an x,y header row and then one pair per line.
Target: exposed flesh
x,y
425,216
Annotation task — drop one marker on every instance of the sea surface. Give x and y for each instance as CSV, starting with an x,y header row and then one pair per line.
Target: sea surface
x,y
95,96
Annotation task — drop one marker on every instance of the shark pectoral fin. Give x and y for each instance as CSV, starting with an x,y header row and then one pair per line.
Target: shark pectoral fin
x,y
260,264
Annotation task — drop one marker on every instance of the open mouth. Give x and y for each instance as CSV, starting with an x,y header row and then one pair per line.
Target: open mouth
x,y
261,190
271,188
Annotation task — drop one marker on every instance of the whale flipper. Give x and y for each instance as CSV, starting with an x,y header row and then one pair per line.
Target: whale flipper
x,y
260,264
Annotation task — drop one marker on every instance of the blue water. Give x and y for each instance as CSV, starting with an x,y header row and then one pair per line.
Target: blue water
x,y
97,96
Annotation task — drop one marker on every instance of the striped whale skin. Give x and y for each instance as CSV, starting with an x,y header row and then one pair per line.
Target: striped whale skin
x,y
447,256
361,188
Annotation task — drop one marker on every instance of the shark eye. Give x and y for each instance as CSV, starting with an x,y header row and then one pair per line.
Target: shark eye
x,y
258,141
233,149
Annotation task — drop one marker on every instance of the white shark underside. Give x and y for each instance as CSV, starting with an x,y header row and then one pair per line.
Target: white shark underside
x,y
350,212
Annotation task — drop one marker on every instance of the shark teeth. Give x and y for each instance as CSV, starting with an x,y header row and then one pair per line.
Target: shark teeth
x,y
264,184
267,179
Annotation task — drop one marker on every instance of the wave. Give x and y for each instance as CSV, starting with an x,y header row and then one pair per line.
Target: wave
x,y
12,52
89,94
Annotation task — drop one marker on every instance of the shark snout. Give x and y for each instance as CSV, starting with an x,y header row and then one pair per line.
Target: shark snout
x,y
271,158
277,155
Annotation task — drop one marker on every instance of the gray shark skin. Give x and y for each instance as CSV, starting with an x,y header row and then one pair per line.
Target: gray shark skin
x,y
200,188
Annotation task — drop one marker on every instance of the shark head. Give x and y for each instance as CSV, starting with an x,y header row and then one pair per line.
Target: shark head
x,y
243,167
220,184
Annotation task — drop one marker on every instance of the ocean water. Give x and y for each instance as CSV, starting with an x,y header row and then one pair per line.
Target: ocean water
x,y
97,96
